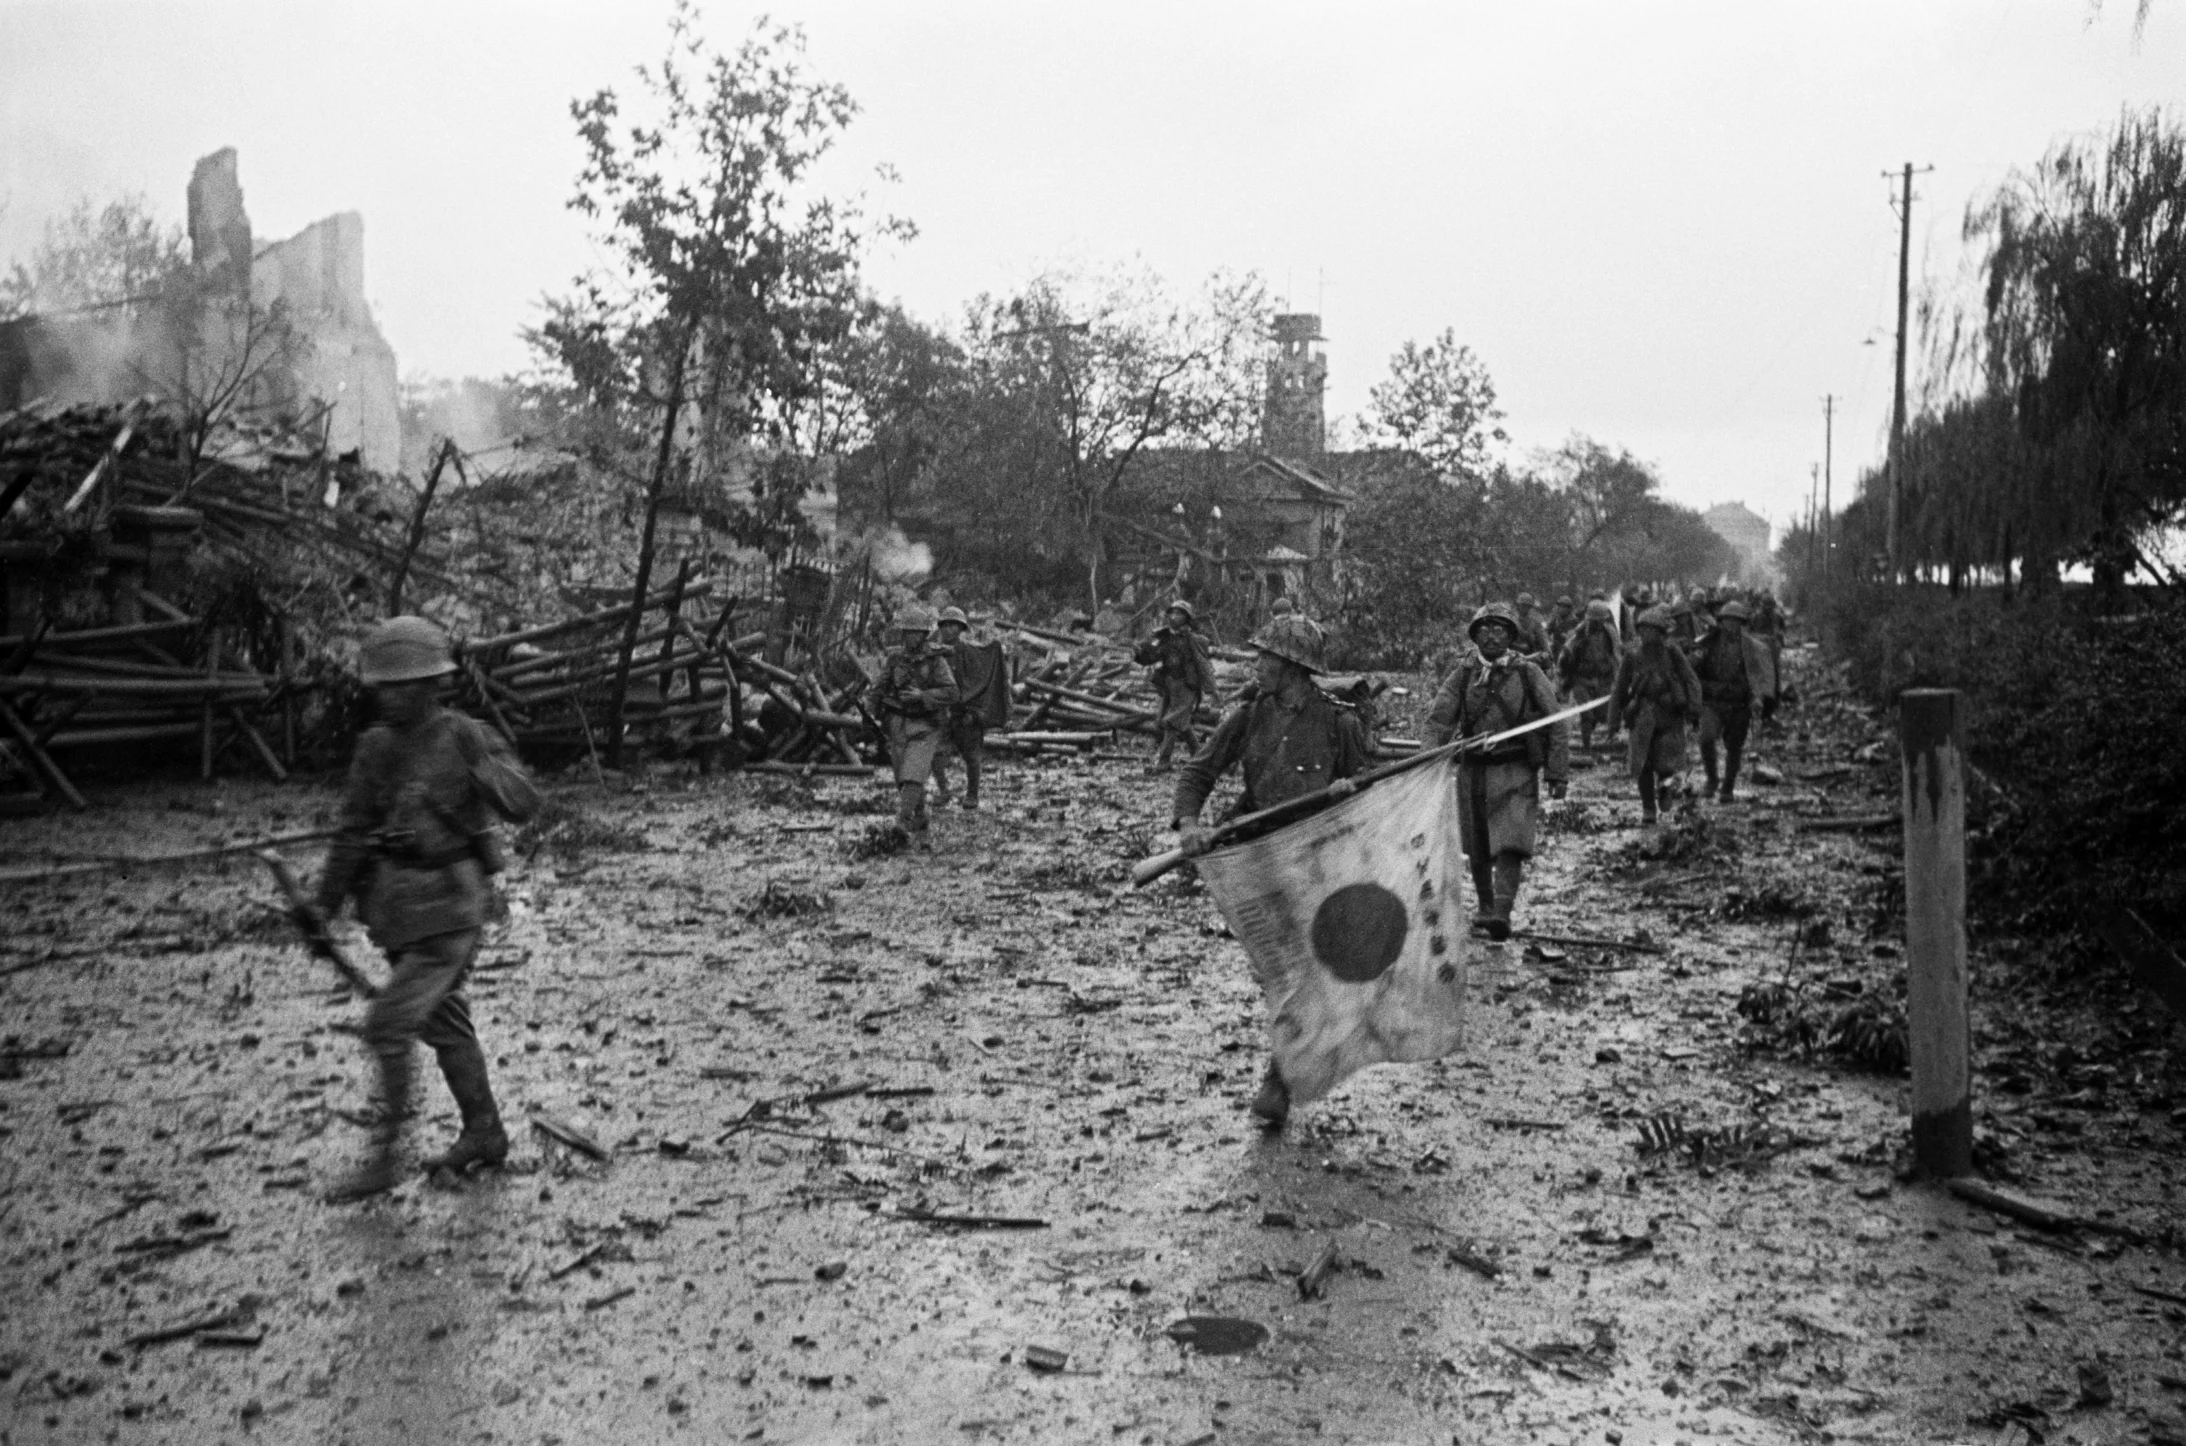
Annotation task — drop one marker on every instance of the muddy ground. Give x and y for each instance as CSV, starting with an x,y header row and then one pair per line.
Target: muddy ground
x,y
689,962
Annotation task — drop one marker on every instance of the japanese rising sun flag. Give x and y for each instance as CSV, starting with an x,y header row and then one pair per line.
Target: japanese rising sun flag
x,y
1355,925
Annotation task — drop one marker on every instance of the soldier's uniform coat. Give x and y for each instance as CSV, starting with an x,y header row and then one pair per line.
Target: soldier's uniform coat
x,y
1656,695
915,694
1183,674
1499,795
1282,752
409,843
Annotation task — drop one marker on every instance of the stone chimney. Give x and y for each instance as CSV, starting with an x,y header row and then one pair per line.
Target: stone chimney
x,y
219,229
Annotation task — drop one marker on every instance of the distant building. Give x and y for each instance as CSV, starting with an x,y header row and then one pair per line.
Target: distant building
x,y
1293,418
326,366
1746,531
1267,521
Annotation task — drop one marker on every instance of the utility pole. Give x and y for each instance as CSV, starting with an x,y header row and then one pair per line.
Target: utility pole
x,y
1897,404
1829,441
1813,498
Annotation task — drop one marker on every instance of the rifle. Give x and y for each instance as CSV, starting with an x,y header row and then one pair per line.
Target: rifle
x,y
1146,870
317,937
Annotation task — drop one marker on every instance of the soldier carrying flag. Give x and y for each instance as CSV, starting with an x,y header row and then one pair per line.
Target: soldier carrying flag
x,y
1290,740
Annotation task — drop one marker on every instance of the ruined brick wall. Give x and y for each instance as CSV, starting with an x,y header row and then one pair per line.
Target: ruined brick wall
x,y
318,274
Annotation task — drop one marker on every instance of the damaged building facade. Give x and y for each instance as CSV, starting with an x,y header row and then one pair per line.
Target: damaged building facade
x,y
273,331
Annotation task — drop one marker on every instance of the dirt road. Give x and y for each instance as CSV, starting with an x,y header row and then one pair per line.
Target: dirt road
x,y
1009,1031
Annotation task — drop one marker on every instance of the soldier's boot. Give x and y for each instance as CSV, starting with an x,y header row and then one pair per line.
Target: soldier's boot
x,y
921,823
1648,816
1165,751
380,1170
910,803
1707,764
971,785
1509,870
1731,759
483,1141
1484,891
1272,1104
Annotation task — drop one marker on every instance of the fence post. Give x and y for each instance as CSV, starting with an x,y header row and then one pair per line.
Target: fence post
x,y
1935,931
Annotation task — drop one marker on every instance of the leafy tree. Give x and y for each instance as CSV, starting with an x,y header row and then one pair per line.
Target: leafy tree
x,y
2074,447
1610,492
1439,402
1416,545
727,281
96,256
900,387
1077,380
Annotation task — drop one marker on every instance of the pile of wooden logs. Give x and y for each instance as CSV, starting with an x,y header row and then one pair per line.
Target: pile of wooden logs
x,y
132,686
1075,690
552,686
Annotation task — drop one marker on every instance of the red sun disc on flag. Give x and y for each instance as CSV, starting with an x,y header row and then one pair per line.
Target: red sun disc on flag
x,y
1358,931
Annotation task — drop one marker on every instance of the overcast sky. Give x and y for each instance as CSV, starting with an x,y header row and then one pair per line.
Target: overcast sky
x,y
1662,225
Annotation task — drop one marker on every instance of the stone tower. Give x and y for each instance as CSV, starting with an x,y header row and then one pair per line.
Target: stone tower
x,y
1293,422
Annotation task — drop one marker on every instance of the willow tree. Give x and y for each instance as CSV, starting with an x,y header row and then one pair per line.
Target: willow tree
x,y
2085,333
727,279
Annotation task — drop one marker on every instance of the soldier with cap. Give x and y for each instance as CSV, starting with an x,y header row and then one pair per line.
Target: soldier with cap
x,y
1182,675
1656,692
1499,790
913,699
982,701
1560,624
1290,739
1587,666
415,845
1737,674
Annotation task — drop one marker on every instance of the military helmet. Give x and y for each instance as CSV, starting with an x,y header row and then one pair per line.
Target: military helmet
x,y
1598,609
1294,639
1180,606
1494,612
1655,617
403,650
1564,601
913,620
1734,609
953,615
1282,607
1527,600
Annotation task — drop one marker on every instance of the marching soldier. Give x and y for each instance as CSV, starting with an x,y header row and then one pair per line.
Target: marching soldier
x,y
1588,666
913,698
1737,673
1532,639
1655,693
1499,792
1290,739
1182,675
415,845
983,691
1560,625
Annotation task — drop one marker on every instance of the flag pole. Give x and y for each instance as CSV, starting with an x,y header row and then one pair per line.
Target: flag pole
x,y
1146,870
